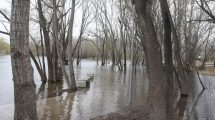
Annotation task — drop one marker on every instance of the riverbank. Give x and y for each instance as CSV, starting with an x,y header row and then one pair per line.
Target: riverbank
x,y
207,71
133,113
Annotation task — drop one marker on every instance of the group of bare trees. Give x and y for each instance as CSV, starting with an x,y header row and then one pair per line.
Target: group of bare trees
x,y
53,37
55,40
55,28
169,40
172,42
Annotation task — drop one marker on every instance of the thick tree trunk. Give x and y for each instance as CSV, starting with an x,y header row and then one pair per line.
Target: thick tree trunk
x,y
24,87
156,104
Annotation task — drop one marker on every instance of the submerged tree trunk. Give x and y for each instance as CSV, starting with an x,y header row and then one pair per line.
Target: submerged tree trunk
x,y
156,105
59,45
177,53
103,53
168,59
39,69
214,63
70,51
47,42
24,87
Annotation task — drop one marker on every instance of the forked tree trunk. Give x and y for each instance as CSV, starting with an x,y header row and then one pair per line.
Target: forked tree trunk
x,y
43,25
156,105
24,87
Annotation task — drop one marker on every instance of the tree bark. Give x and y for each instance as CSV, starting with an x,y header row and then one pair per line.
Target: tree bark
x,y
24,87
47,42
156,100
168,63
70,51
59,46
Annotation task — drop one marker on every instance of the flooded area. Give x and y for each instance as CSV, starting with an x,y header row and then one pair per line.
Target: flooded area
x,y
108,93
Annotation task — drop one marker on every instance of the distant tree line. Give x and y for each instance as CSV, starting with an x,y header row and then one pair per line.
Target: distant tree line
x,y
4,47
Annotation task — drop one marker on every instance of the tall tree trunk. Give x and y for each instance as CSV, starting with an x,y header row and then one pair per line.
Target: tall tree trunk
x,y
59,46
168,59
24,87
43,54
47,42
79,52
122,34
156,100
103,53
177,53
70,55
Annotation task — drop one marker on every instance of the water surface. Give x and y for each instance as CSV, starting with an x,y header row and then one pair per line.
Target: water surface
x,y
108,93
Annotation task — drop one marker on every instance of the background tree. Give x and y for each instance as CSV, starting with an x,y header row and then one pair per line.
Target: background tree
x,y
70,51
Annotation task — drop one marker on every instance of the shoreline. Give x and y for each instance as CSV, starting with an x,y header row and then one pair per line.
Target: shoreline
x,y
209,72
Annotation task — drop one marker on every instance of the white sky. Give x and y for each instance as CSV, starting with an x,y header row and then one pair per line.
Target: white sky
x,y
5,5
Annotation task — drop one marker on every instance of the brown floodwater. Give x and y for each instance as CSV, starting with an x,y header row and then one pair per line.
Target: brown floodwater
x,y
108,93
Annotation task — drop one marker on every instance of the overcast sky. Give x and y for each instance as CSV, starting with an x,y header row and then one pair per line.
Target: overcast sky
x,y
6,5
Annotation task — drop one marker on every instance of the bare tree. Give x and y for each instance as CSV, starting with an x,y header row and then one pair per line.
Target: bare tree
x,y
156,99
168,61
24,87
86,20
44,27
70,50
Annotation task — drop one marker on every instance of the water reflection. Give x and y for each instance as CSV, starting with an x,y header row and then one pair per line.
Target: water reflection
x,y
56,108
108,92
181,107
200,103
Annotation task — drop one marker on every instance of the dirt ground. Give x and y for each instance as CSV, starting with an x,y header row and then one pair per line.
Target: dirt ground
x,y
134,113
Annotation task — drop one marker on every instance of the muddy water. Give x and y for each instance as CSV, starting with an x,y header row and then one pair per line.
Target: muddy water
x,y
108,92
